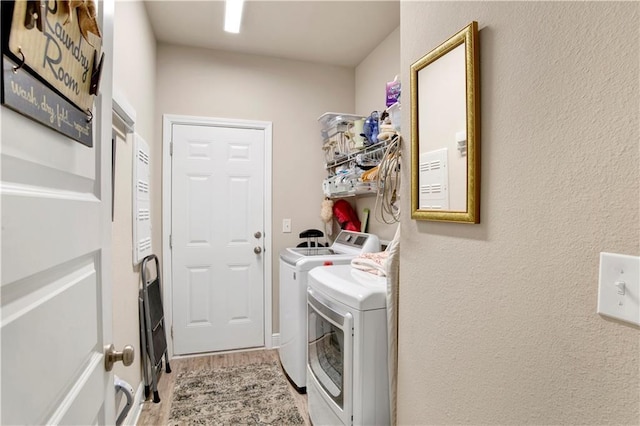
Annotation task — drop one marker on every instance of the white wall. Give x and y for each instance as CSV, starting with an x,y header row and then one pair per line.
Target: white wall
x,y
134,76
291,94
498,321
372,75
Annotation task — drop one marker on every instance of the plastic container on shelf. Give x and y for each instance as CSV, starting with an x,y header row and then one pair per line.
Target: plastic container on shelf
x,y
327,186
332,187
329,120
329,152
337,186
395,114
336,131
365,188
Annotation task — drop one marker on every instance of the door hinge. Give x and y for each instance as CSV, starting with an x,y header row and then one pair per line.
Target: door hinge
x,y
171,148
170,241
294,275
172,331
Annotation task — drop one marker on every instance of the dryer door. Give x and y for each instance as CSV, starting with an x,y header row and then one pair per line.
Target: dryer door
x,y
330,353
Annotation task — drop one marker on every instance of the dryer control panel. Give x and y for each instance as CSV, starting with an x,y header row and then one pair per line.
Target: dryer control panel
x,y
358,242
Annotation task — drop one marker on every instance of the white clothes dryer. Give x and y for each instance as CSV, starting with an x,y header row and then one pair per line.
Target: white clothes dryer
x,y
347,376
295,264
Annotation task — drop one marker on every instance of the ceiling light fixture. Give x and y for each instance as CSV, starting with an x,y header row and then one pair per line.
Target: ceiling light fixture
x,y
233,15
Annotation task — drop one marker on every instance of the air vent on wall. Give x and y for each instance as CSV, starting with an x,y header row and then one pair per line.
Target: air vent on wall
x,y
141,201
434,180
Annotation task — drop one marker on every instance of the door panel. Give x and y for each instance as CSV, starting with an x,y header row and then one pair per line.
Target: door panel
x,y
44,307
237,290
218,204
200,209
55,295
81,402
239,193
52,301
49,217
199,296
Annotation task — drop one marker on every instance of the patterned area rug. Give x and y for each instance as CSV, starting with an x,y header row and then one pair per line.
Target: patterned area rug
x,y
255,394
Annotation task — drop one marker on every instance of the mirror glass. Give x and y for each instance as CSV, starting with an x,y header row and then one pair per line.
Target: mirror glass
x,y
445,147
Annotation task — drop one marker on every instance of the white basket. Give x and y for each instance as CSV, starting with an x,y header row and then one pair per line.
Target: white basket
x,y
334,119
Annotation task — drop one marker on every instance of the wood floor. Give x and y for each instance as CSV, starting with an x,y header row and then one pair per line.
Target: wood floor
x,y
158,414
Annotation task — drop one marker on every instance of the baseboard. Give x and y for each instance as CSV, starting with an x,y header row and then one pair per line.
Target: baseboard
x,y
136,408
275,344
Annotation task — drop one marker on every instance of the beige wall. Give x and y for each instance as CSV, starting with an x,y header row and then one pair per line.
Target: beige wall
x,y
498,321
134,77
291,94
372,75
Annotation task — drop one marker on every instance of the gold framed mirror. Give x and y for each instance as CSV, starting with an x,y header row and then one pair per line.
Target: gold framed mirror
x,y
445,132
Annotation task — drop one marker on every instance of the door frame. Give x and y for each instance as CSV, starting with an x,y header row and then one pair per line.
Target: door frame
x,y
168,120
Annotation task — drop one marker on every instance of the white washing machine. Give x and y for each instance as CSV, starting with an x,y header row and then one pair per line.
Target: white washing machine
x,y
347,375
295,264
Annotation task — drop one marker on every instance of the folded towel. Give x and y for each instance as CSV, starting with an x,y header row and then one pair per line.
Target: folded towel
x,y
374,263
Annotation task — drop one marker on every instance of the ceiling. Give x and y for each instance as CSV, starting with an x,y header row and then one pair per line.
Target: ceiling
x,y
331,32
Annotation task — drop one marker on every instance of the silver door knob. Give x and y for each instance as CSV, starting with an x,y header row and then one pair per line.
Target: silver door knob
x,y
112,356
258,234
257,250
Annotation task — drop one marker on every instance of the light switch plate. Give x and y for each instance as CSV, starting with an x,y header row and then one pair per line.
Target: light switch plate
x,y
286,225
619,287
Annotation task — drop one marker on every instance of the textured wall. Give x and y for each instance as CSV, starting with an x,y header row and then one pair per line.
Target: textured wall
x,y
291,94
133,76
372,74
498,321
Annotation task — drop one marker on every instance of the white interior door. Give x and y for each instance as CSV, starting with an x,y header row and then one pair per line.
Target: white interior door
x,y
55,288
217,238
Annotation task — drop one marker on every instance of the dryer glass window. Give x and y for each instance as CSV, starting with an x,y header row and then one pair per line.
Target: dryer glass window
x,y
326,354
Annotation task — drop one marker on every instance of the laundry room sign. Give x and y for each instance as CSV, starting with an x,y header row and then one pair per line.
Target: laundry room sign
x,y
52,63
